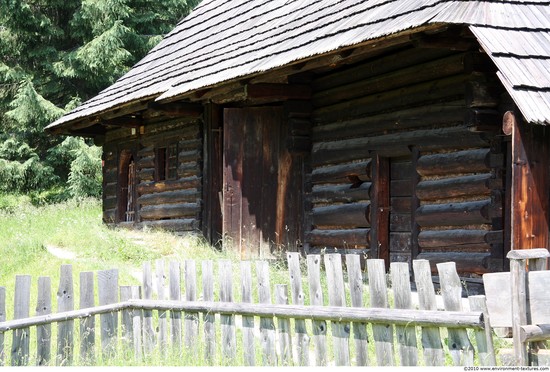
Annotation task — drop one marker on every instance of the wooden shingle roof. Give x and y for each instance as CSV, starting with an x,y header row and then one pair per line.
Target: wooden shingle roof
x,y
223,40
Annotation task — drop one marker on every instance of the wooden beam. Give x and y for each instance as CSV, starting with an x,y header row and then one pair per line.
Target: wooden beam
x,y
277,92
125,122
175,109
380,210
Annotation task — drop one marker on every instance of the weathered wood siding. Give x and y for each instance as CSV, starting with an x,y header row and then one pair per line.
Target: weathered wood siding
x,y
433,114
172,204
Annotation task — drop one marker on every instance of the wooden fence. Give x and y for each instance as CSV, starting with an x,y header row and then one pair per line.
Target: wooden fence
x,y
222,320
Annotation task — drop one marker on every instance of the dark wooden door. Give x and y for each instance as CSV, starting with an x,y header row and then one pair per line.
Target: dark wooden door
x,y
251,159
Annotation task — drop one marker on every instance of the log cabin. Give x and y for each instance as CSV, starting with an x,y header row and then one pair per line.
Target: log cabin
x,y
399,129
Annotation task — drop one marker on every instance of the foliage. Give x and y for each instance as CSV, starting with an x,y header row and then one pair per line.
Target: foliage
x,y
56,54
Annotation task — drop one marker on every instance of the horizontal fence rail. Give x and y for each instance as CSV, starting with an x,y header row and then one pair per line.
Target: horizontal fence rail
x,y
233,317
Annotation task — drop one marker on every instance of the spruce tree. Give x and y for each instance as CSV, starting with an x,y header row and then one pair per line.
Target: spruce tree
x,y
55,54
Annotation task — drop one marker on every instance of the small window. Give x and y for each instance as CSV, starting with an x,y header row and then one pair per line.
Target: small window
x,y
166,163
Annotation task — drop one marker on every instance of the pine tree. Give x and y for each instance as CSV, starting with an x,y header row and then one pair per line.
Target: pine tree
x,y
58,53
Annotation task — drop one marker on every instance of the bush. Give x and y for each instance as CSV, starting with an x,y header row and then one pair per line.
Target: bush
x,y
85,176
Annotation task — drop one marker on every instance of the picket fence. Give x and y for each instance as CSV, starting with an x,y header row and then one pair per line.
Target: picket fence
x,y
347,321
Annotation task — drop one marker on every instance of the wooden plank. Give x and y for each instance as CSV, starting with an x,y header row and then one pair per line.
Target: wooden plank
x,y
499,302
466,262
229,340
406,335
137,321
87,325
342,193
209,319
302,338
21,306
249,350
126,323
431,337
383,334
465,161
471,185
454,214
455,238
460,348
539,296
44,333
191,319
161,295
316,298
283,329
267,326
175,316
348,173
65,330
148,330
179,196
355,278
157,212
380,209
336,294
165,186
484,337
107,289
177,224
348,238
2,319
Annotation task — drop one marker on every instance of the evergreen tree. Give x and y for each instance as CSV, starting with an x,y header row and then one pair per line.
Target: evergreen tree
x,y
55,54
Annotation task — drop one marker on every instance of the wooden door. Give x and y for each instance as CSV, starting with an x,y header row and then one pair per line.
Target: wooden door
x,y
251,157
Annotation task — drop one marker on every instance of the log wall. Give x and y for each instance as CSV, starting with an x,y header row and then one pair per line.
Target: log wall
x,y
433,114
172,204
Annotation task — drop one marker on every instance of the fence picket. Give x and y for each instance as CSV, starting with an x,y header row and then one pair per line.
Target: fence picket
x,y
229,341
20,343
148,330
353,264
285,343
382,334
337,297
108,294
2,319
44,332
87,325
175,316
267,326
406,335
484,340
431,337
209,319
161,295
302,338
191,319
460,348
316,298
137,321
126,316
65,330
248,321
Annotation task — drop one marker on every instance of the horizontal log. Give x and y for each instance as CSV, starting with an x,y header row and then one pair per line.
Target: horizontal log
x,y
182,184
110,203
344,215
267,92
177,109
188,170
109,216
110,190
158,212
458,238
146,162
342,173
168,197
189,224
409,75
189,156
454,214
534,332
467,161
449,319
473,185
395,144
448,113
110,175
400,222
339,238
146,174
190,144
146,151
340,193
466,262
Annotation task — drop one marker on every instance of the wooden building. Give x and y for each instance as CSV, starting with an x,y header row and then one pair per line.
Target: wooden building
x,y
399,129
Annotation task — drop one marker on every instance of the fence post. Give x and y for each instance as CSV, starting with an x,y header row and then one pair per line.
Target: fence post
x,y
2,319
191,319
337,297
175,295
316,298
267,326
460,348
355,278
520,312
148,331
161,295
20,345
87,325
248,321
44,332
406,335
209,319
126,317
285,343
302,339
484,338
137,321
383,334
229,341
65,330
108,294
